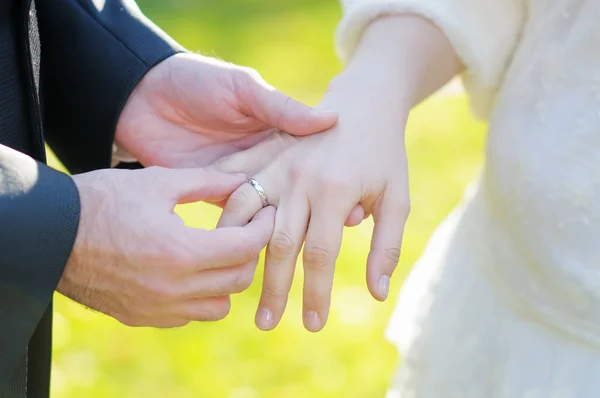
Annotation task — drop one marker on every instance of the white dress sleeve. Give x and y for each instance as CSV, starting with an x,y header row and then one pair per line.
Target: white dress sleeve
x,y
484,34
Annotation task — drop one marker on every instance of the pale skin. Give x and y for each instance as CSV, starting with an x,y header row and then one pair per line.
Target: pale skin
x,y
133,257
135,260
317,182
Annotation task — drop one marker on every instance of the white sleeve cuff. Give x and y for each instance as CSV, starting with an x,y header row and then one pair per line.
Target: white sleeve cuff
x,y
483,33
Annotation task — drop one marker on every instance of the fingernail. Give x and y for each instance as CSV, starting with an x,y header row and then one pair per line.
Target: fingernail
x,y
384,286
264,319
312,321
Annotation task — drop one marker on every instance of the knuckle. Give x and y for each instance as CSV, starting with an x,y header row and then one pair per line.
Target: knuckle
x,y
184,259
216,312
224,288
249,73
275,291
281,244
162,292
242,280
392,254
174,253
317,257
236,281
244,81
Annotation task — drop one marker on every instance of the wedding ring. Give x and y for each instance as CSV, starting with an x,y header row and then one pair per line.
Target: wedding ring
x,y
260,190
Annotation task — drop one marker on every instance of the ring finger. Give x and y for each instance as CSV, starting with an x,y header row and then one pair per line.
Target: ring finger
x,y
241,206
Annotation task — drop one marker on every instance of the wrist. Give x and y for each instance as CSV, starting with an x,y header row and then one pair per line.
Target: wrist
x,y
376,90
385,60
408,53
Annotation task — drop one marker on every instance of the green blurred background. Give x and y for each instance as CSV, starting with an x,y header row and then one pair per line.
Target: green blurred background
x,y
291,43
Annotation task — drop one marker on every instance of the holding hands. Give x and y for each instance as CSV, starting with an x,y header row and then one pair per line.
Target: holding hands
x,y
346,160
139,263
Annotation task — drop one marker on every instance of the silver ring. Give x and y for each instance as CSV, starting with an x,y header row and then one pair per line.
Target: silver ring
x,y
260,190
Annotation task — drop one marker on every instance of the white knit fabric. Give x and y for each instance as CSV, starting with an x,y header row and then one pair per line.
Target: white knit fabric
x,y
505,302
483,32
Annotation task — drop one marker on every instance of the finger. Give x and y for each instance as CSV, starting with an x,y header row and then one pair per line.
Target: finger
x,y
281,111
193,185
356,216
219,282
241,206
203,309
167,322
254,159
322,246
220,203
231,246
390,219
280,261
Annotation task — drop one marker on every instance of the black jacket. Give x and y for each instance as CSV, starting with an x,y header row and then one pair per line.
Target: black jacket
x,y
66,70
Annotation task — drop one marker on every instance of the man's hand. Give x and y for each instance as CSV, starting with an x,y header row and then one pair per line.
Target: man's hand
x,y
190,110
135,260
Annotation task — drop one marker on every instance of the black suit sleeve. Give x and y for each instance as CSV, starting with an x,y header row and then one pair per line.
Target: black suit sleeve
x,y
92,59
39,217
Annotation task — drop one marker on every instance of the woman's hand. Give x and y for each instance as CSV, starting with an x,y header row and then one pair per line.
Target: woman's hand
x,y
253,160
316,183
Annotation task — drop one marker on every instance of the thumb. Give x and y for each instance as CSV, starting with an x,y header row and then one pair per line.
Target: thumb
x,y
197,184
252,160
281,111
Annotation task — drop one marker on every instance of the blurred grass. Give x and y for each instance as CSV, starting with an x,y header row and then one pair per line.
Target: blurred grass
x,y
290,43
